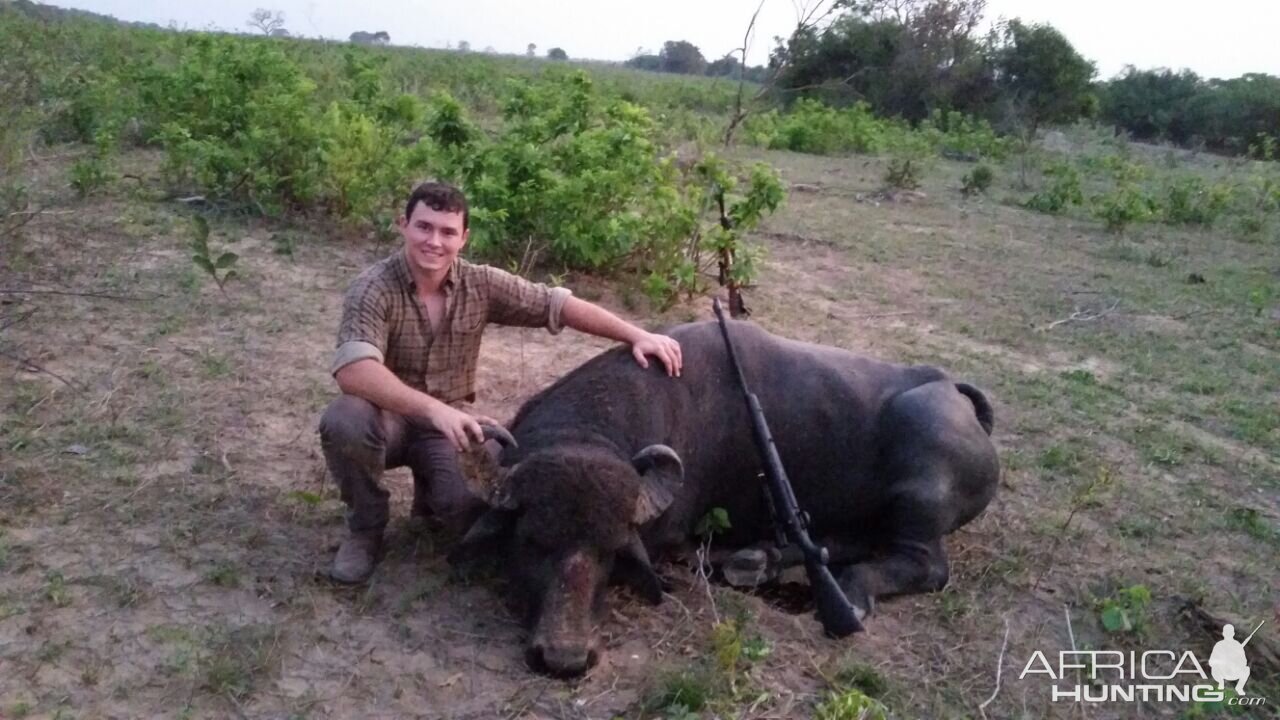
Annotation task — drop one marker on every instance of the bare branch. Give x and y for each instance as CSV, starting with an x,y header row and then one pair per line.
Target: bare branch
x,y
107,296
1082,316
17,319
32,365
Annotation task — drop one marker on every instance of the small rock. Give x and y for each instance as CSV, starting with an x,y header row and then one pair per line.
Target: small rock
x,y
76,450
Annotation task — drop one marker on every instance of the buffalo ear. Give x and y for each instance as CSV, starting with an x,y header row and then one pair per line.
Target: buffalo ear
x,y
661,474
635,571
487,534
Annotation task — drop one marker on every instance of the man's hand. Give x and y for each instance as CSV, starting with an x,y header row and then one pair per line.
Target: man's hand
x,y
456,425
662,347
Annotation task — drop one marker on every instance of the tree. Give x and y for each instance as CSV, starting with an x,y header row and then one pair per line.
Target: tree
x,y
808,17
379,38
652,63
1151,104
1042,77
681,56
266,20
902,57
725,66
464,46
531,50
556,53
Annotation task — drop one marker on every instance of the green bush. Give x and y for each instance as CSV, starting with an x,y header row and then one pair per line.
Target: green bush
x,y
1191,201
1064,189
1126,610
1123,207
1127,203
236,119
810,126
954,133
93,171
977,181
850,704
564,171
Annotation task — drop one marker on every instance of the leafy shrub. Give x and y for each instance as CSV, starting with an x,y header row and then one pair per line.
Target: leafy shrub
x,y
1257,203
954,133
851,704
903,172
221,268
93,172
977,181
1064,189
1190,201
366,165
1127,203
1126,610
1123,207
236,118
810,126
577,179
813,127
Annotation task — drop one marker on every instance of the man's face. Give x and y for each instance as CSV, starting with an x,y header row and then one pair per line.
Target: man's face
x,y
432,239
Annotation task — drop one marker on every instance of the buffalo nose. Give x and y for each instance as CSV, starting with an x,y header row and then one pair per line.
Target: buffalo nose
x,y
562,660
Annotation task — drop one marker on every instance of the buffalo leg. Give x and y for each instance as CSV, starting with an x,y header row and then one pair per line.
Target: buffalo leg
x,y
907,567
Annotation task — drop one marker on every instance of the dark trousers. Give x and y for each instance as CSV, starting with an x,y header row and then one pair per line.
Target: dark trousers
x,y
361,440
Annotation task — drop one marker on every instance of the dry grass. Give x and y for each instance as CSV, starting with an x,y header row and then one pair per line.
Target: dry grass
x,y
164,512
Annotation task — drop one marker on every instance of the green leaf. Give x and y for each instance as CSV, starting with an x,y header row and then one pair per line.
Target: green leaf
x,y
1114,619
720,518
306,498
226,260
203,263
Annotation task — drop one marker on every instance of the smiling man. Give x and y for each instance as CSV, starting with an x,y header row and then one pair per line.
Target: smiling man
x,y
406,361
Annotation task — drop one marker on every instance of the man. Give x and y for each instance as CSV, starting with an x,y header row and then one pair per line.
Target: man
x,y
406,358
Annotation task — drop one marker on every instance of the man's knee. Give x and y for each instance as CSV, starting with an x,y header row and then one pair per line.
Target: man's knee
x,y
351,420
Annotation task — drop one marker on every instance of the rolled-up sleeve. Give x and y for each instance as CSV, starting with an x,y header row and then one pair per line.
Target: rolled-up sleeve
x,y
363,331
516,301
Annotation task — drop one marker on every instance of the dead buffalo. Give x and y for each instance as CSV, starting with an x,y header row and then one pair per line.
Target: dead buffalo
x,y
616,464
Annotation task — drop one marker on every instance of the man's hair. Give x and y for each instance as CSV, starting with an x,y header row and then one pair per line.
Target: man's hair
x,y
441,197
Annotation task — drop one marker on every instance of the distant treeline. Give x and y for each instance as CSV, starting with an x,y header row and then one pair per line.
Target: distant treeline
x,y
683,57
912,59
1223,115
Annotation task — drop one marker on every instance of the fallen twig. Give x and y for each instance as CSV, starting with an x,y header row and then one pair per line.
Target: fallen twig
x,y
1066,612
881,315
17,319
25,363
1082,316
982,709
106,296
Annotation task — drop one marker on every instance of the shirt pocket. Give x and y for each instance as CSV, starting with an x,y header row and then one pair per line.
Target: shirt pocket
x,y
470,313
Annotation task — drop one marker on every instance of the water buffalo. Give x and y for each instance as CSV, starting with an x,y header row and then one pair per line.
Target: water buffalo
x,y
616,464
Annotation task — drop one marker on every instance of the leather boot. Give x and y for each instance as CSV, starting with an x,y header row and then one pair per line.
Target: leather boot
x,y
357,556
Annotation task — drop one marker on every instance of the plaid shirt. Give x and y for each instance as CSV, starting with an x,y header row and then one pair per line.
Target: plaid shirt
x,y
383,319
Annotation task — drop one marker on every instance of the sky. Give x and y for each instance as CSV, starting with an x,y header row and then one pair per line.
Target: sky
x,y
1225,38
